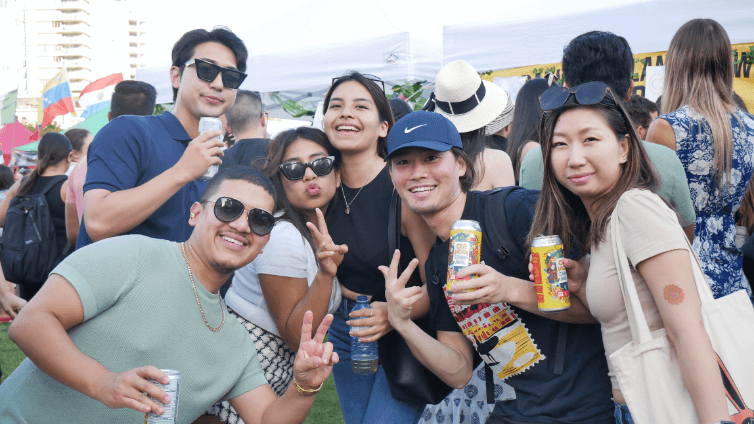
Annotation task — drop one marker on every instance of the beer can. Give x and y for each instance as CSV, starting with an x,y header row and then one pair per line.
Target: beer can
x,y
170,416
465,250
208,124
550,279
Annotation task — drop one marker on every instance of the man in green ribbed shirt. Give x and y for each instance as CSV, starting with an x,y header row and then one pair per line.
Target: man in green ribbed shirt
x,y
114,313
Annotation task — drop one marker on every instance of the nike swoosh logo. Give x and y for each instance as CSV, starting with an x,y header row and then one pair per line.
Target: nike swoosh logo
x,y
409,130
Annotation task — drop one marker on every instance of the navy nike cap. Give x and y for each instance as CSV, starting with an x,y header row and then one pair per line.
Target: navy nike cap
x,y
423,129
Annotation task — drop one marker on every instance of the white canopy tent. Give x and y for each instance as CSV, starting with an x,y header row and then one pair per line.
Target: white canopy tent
x,y
299,52
536,34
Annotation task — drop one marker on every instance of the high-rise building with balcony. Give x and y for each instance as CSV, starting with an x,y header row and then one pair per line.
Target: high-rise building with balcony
x,y
90,38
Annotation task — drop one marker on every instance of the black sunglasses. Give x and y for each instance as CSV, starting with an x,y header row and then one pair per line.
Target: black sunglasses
x,y
589,93
207,71
228,209
296,170
374,78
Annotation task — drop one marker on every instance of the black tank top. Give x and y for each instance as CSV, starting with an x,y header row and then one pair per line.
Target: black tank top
x,y
57,206
364,231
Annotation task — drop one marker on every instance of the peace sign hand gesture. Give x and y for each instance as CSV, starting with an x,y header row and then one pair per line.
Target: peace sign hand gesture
x,y
400,299
315,358
329,254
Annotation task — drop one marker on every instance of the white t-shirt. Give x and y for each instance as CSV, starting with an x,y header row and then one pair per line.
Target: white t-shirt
x,y
287,254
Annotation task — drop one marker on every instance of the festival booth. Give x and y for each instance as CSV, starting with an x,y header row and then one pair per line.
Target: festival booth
x,y
294,57
13,136
529,41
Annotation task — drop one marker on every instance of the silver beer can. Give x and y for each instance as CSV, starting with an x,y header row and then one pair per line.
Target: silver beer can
x,y
170,416
208,124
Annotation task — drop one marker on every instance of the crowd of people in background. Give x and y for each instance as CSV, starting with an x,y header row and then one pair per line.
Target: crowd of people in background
x,y
293,229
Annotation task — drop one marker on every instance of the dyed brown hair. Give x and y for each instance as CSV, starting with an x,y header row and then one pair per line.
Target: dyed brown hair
x,y
559,211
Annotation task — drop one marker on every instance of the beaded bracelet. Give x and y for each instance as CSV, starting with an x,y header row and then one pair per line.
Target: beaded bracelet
x,y
307,392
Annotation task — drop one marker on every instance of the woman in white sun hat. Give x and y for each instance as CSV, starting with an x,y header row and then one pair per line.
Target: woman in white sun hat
x,y
472,104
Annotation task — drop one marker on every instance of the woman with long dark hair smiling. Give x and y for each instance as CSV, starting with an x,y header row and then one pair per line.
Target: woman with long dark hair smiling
x,y
357,120
594,164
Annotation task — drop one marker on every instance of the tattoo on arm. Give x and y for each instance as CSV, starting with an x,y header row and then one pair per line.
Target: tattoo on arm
x,y
673,294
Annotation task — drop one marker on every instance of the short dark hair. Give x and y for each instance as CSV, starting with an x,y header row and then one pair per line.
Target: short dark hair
x,y
599,56
76,136
243,173
246,111
133,98
184,48
639,110
380,102
7,179
400,108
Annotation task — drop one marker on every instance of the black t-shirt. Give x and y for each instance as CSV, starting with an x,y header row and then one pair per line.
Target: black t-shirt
x,y
582,393
56,204
246,152
364,231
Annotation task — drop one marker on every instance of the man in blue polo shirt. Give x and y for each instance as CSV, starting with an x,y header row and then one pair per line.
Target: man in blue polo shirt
x,y
558,369
143,170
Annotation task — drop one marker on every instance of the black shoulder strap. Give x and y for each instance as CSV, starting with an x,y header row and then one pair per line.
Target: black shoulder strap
x,y
494,215
394,226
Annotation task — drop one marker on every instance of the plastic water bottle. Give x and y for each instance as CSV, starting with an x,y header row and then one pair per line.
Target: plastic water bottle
x,y
363,355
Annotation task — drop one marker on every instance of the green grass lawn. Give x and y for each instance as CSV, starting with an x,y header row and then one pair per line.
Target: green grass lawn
x,y
326,409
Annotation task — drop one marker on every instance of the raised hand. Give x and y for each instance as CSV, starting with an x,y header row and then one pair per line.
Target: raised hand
x,y
400,299
329,254
315,358
127,390
203,151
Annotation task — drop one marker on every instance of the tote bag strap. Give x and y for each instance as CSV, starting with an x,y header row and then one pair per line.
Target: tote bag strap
x,y
637,321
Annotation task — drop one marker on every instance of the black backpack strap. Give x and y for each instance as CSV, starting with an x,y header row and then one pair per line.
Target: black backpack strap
x,y
560,351
394,222
494,213
489,382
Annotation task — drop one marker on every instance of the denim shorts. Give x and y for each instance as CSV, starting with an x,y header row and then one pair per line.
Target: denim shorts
x,y
622,414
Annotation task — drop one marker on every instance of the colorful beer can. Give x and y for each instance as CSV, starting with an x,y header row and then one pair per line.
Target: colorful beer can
x,y
170,416
550,279
208,124
465,250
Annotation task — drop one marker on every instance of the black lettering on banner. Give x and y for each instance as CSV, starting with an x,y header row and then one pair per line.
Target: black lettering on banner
x,y
647,62
659,61
639,90
744,64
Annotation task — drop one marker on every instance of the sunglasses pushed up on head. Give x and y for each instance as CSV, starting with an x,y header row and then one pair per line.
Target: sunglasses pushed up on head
x,y
589,93
228,209
295,170
207,71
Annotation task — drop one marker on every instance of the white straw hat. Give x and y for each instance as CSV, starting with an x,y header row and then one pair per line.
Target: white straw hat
x,y
465,99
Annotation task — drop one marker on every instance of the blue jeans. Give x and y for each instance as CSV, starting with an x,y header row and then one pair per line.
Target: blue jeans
x,y
622,414
364,399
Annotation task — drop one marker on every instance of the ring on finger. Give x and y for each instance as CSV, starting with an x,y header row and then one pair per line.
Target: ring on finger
x,y
371,312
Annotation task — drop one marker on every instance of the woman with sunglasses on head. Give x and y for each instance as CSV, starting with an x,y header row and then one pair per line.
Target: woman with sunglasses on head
x,y
594,164
296,271
357,119
713,139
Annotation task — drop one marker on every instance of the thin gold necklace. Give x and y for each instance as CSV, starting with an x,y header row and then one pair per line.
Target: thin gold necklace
x,y
193,283
343,190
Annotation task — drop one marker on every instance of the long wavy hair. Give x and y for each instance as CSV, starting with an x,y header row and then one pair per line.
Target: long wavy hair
x,y
278,147
559,211
53,148
527,117
699,73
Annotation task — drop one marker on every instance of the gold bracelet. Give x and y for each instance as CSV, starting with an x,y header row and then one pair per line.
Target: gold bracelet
x,y
307,392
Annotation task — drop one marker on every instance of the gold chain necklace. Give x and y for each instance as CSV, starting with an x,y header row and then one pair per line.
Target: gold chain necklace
x,y
193,283
343,190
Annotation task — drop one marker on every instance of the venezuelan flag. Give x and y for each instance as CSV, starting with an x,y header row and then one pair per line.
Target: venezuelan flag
x,y
56,99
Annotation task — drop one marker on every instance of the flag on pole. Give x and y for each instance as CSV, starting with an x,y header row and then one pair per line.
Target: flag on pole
x,y
9,101
56,99
96,96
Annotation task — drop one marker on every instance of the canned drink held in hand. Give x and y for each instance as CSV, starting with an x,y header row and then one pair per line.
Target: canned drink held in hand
x,y
550,278
209,124
170,416
465,250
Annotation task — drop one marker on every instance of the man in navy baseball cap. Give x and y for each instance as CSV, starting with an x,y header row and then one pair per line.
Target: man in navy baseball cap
x,y
433,176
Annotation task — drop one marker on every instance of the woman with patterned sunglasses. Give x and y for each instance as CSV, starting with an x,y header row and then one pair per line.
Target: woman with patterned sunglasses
x,y
594,164
296,271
